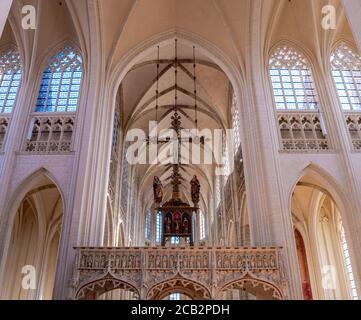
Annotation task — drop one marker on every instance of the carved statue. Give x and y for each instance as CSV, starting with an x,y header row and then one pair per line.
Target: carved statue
x,y
103,261
168,225
185,226
151,261
157,190
137,261
177,223
158,262
195,189
165,262
176,226
124,261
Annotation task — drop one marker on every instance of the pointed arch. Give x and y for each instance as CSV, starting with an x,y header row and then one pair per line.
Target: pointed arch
x,y
34,242
10,77
61,80
291,75
322,203
179,284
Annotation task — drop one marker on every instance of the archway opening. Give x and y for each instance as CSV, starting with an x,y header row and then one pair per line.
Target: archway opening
x,y
323,256
31,257
108,289
181,288
250,289
177,296
119,294
197,86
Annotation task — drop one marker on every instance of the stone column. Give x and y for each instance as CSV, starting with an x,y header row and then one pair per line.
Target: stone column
x,y
5,6
269,215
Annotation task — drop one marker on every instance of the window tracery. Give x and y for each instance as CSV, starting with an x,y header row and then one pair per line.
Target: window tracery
x,y
301,124
346,73
52,124
61,81
202,227
10,77
347,261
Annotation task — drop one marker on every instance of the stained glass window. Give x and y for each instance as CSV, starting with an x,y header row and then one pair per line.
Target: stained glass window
x,y
175,296
218,190
158,227
236,121
347,262
61,82
202,227
346,72
175,240
292,81
10,77
147,225
116,127
125,180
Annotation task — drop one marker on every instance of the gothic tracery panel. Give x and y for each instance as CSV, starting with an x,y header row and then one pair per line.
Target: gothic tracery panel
x,y
300,122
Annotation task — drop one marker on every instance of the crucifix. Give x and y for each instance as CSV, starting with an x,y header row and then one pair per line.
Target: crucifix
x,y
178,217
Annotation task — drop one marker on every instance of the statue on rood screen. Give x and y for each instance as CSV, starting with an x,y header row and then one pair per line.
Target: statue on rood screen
x,y
157,190
195,190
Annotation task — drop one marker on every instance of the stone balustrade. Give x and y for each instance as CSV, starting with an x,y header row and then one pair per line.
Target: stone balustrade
x,y
144,268
353,122
302,131
50,133
4,123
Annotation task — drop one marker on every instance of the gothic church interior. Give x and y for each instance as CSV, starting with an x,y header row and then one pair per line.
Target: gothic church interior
x,y
265,206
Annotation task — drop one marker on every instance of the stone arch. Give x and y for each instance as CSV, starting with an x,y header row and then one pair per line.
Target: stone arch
x,y
234,75
33,216
325,204
94,289
265,290
324,180
192,289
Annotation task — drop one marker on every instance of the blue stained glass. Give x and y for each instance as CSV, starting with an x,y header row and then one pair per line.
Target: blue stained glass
x,y
2,96
8,110
73,101
55,83
61,108
50,108
53,95
76,81
67,75
51,102
45,82
62,102
74,95
63,95
46,75
10,103
39,109
60,77
41,102
71,108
